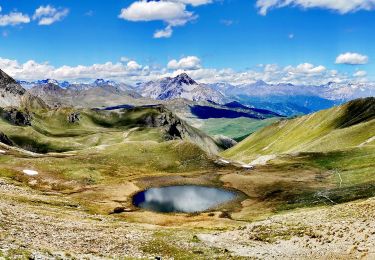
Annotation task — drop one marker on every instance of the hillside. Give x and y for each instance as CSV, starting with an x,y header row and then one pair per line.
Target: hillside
x,y
98,94
14,95
76,129
342,127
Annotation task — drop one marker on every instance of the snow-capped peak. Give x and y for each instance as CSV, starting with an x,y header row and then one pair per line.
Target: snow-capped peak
x,y
101,82
181,86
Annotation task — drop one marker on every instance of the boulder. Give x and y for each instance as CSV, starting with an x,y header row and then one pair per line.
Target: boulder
x,y
5,139
73,117
224,141
16,117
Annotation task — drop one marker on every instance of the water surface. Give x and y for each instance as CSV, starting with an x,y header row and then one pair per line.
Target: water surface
x,y
188,199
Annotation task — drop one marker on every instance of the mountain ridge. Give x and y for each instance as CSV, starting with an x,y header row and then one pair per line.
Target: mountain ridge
x,y
352,123
13,94
181,86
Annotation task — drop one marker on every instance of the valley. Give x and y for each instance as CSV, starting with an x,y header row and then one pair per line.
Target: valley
x,y
72,158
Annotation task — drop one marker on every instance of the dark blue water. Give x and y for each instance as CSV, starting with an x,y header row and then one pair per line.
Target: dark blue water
x,y
188,199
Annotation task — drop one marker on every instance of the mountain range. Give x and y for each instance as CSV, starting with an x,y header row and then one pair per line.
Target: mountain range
x,y
284,99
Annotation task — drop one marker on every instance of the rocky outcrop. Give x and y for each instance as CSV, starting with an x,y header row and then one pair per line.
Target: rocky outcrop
x,y
5,139
14,95
224,141
16,117
73,118
175,128
10,92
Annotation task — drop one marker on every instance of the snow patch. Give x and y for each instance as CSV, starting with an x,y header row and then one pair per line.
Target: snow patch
x,y
367,141
262,160
223,161
247,166
30,172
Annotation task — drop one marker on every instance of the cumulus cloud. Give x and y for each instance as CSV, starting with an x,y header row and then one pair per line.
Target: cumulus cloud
x,y
13,18
32,70
47,15
305,68
352,59
172,12
132,72
164,33
340,6
195,2
360,74
186,63
133,65
303,74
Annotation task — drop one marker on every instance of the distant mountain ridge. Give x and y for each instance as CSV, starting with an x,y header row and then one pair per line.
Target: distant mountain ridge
x,y
289,99
99,93
181,86
284,99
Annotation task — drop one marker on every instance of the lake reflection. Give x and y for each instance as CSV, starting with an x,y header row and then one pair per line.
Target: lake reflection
x,y
186,199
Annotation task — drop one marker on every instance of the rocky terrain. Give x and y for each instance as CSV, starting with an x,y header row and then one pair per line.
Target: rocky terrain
x,y
47,226
37,226
14,95
344,231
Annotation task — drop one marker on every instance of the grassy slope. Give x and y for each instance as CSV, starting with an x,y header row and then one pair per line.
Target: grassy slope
x,y
108,137
341,127
236,128
110,150
324,158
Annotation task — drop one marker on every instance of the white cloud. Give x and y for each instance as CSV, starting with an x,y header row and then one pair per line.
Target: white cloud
x,y
291,36
32,70
186,63
351,58
194,2
164,33
305,68
360,74
172,12
340,6
132,72
13,18
133,65
47,15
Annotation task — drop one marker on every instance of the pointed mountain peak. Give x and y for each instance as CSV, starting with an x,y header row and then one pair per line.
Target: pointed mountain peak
x,y
6,79
184,78
260,83
101,82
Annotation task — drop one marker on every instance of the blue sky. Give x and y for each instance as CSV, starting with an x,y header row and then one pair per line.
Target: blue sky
x,y
224,35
